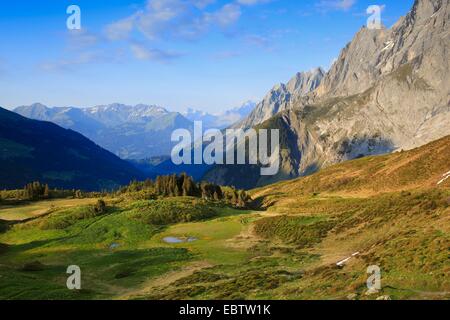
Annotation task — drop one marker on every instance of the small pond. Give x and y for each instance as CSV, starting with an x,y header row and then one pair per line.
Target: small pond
x,y
179,240
114,245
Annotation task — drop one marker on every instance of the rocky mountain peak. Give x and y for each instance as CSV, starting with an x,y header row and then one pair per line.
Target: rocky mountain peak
x,y
281,96
36,110
304,82
388,90
39,105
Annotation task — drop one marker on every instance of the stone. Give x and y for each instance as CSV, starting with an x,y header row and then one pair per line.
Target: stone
x,y
386,297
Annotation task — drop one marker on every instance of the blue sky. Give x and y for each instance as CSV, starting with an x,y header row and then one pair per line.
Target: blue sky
x,y
206,54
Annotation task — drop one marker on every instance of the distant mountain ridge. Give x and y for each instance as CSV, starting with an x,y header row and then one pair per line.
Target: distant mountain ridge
x,y
131,132
223,119
117,114
33,150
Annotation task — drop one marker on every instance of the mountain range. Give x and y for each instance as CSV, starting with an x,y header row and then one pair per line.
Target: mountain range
x,y
131,132
34,150
389,90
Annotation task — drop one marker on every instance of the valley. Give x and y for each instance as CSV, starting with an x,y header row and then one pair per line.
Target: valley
x,y
286,249
352,202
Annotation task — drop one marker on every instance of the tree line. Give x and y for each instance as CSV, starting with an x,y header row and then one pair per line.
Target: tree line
x,y
36,190
163,186
185,186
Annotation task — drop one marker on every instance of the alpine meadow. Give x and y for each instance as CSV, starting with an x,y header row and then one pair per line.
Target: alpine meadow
x,y
202,184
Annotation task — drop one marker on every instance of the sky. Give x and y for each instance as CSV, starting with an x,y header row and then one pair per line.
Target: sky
x,y
210,55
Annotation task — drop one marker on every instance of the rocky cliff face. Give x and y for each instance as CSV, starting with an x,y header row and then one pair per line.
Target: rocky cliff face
x,y
374,54
388,90
281,96
399,79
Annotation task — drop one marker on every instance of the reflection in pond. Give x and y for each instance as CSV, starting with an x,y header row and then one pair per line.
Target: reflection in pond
x,y
179,240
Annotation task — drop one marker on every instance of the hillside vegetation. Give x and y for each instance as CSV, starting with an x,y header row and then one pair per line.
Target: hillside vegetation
x,y
148,241
417,169
388,209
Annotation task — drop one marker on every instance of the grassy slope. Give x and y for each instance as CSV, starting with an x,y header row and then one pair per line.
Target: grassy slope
x,y
417,169
31,210
388,208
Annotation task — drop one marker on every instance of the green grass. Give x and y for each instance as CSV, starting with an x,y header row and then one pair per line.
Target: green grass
x,y
79,236
212,238
30,210
301,231
288,252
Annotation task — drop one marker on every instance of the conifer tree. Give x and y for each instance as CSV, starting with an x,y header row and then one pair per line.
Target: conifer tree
x,y
158,185
46,192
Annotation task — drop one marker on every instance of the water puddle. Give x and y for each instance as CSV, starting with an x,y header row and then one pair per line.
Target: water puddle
x,y
114,245
179,240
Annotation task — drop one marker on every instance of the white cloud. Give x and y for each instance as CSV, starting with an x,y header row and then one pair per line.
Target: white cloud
x,y
76,60
120,29
252,2
79,39
177,19
257,40
142,52
162,21
223,55
336,4
170,20
226,16
72,62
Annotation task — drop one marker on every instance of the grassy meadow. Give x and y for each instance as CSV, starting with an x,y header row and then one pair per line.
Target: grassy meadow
x,y
287,252
120,252
287,248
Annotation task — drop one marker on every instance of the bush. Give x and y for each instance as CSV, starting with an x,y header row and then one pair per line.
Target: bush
x,y
100,207
124,273
33,266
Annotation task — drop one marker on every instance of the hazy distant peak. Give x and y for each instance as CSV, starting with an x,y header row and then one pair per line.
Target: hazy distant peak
x,y
35,107
223,119
245,109
35,111
39,105
142,110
